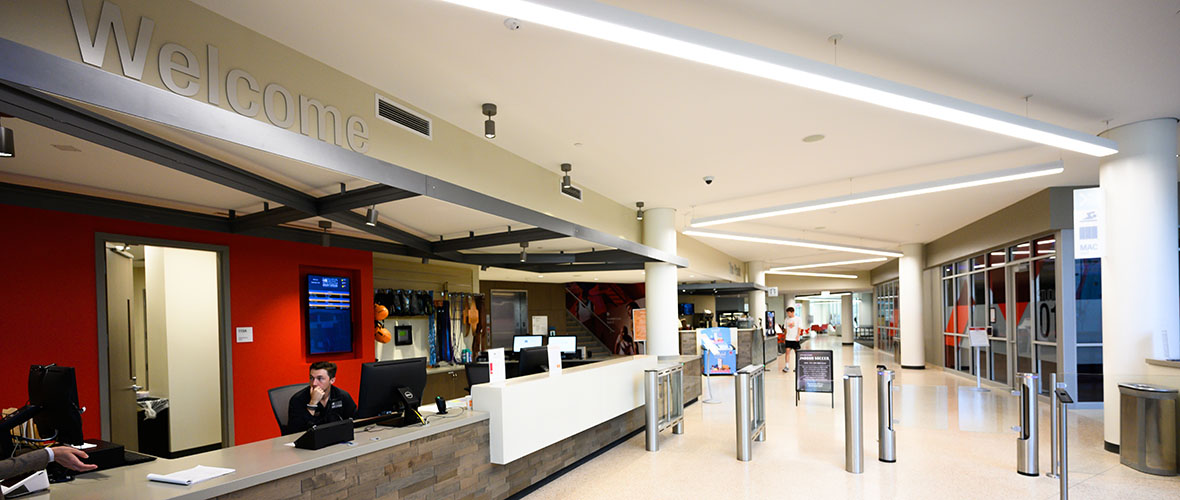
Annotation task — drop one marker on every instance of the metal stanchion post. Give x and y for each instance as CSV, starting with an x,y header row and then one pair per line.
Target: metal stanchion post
x,y
1063,398
886,442
742,404
853,420
1053,437
1027,454
651,408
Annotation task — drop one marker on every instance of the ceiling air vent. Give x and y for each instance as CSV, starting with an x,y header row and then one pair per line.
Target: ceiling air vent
x,y
394,113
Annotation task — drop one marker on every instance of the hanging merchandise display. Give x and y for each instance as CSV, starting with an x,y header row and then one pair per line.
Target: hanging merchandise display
x,y
432,358
454,322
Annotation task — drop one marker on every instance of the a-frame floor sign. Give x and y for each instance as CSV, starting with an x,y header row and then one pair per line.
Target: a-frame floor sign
x,y
813,373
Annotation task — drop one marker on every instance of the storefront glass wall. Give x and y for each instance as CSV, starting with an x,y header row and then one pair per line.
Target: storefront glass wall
x,y
887,322
1004,290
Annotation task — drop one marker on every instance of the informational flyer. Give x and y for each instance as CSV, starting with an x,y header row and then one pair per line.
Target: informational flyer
x,y
639,324
722,358
496,365
554,360
813,371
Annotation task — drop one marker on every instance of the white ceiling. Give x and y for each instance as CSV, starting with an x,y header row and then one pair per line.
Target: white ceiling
x,y
650,127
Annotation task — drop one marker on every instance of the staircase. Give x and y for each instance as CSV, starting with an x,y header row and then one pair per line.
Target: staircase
x,y
594,347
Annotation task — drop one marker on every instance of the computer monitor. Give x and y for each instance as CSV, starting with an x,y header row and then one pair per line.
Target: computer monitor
x,y
533,360
522,341
686,308
567,343
55,389
380,379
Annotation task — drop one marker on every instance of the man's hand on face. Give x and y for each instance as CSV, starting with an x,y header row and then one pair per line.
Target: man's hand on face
x,y
317,394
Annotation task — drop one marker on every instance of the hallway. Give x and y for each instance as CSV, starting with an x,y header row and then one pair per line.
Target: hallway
x,y
951,443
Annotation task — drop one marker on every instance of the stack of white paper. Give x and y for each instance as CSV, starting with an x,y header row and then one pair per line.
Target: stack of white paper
x,y
190,476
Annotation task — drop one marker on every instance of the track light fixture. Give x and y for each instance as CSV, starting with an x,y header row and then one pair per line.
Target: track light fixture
x,y
7,145
371,216
325,239
565,178
489,126
524,248
639,212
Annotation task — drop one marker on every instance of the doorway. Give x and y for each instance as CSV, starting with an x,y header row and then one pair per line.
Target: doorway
x,y
163,321
510,316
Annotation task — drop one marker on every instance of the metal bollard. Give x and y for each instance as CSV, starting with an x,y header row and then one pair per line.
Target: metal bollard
x,y
652,408
1063,398
886,438
750,405
1027,454
1053,462
854,460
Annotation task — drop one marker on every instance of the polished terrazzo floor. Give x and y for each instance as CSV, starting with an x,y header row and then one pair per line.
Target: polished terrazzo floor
x,y
952,443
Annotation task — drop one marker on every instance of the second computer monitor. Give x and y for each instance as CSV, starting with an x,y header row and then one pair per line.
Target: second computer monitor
x,y
522,341
380,379
567,343
533,360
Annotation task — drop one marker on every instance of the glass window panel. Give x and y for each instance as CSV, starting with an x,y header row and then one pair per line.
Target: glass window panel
x,y
948,305
948,270
979,315
1022,291
1046,365
1020,251
962,304
998,351
997,302
1045,277
1045,246
995,257
1088,297
948,342
961,267
964,352
978,262
1090,373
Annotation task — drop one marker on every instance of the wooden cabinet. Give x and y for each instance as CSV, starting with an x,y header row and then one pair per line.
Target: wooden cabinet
x,y
450,384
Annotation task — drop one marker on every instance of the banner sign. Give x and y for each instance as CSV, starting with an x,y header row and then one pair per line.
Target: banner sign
x,y
813,373
639,324
1088,208
720,355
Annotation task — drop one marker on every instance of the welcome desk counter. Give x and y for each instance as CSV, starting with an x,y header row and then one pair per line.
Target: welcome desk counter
x,y
465,454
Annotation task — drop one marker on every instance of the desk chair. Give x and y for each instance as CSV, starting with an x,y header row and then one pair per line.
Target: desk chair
x,y
279,398
477,373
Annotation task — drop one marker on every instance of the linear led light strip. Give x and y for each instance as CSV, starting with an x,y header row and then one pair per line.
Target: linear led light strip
x,y
827,264
830,296
965,181
648,33
789,242
813,275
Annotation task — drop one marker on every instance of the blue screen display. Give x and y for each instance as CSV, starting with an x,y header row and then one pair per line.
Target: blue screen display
x,y
329,314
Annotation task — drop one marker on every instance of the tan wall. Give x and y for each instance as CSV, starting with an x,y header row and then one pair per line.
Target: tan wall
x,y
395,271
1025,218
801,285
708,261
885,272
453,155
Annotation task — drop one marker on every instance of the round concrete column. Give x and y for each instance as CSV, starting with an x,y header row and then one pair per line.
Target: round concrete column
x,y
757,298
1139,262
846,319
912,317
802,312
659,232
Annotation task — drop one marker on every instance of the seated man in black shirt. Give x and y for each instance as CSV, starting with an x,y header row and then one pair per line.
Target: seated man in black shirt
x,y
321,402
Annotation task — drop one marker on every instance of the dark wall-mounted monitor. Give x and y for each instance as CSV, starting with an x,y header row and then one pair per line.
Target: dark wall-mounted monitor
x,y
686,309
328,301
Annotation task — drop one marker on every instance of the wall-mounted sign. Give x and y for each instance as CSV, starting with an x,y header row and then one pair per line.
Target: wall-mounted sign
x,y
772,291
184,73
244,334
1088,208
639,324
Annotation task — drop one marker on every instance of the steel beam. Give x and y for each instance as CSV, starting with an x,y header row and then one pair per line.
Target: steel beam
x,y
361,197
574,268
491,240
500,259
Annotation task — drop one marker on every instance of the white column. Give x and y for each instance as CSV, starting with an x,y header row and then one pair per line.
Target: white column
x,y
659,232
846,319
757,298
913,320
1139,264
803,313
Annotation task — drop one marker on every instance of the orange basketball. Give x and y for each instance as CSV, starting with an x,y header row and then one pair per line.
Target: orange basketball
x,y
382,335
381,312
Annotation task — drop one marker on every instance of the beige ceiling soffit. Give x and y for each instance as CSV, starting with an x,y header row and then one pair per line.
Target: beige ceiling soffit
x,y
793,242
961,182
629,28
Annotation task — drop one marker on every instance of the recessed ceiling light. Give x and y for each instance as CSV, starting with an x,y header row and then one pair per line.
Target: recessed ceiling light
x,y
66,147
540,275
814,138
577,144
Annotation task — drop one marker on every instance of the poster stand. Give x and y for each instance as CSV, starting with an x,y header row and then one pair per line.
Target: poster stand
x,y
708,344
813,373
978,339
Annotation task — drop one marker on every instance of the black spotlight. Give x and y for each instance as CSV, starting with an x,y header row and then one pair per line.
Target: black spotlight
x,y
489,126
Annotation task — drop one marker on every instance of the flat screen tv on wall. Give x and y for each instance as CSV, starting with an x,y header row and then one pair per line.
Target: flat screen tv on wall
x,y
329,314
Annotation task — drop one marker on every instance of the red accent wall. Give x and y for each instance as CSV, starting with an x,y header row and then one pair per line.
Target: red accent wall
x,y
49,309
